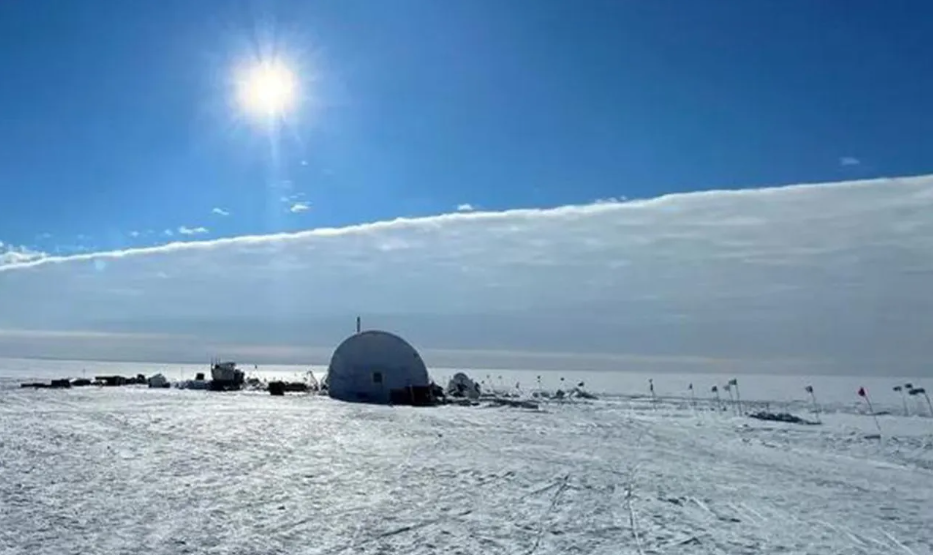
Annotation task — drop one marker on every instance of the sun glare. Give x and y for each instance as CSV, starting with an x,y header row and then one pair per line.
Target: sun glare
x,y
267,89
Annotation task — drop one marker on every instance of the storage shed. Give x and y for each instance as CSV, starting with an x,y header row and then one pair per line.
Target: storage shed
x,y
376,367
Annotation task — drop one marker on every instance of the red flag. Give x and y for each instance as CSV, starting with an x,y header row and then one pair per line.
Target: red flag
x,y
861,392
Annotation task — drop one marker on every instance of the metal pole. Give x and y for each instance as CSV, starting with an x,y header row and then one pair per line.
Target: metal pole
x,y
738,398
816,406
872,410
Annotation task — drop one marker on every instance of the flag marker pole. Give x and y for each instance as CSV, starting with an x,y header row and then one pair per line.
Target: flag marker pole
x,y
738,397
921,391
816,406
864,394
900,390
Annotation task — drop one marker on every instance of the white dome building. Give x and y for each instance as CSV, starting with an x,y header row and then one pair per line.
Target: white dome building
x,y
369,366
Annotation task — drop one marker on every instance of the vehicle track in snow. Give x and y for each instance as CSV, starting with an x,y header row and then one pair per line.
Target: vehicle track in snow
x,y
124,470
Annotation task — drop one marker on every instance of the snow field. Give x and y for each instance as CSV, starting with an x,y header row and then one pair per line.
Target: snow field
x,y
131,470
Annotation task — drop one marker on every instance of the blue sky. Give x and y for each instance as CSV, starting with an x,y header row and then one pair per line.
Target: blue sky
x,y
117,115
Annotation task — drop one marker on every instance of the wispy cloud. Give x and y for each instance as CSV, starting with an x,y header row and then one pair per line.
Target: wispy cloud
x,y
849,161
299,207
81,334
834,277
220,212
62,250
465,207
184,230
134,234
168,233
611,200
289,199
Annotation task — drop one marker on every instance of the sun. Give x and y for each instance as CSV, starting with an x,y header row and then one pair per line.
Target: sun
x,y
267,89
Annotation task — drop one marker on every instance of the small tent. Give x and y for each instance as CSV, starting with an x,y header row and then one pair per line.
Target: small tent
x,y
462,386
158,381
376,367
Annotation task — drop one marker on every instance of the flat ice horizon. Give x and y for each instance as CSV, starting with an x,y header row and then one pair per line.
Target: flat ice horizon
x,y
118,470
784,388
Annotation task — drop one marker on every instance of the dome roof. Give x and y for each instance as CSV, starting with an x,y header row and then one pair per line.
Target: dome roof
x,y
367,366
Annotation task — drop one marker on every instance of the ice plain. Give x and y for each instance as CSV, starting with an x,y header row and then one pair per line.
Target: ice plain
x,y
132,470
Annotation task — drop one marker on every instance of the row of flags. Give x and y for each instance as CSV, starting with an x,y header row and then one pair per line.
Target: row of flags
x,y
715,389
732,382
910,389
728,387
862,392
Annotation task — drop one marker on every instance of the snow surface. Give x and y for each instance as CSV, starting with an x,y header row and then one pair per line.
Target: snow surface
x,y
133,470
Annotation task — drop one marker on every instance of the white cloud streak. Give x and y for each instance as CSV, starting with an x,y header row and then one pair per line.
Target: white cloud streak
x,y
184,230
299,207
220,212
465,207
813,278
849,161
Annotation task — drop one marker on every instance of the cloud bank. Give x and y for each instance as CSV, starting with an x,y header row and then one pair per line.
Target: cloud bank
x,y
828,278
